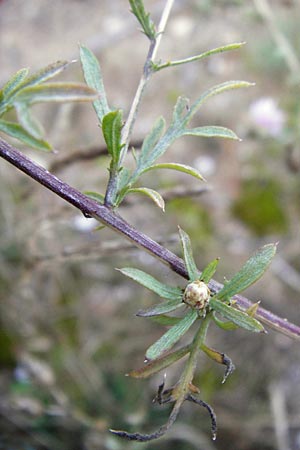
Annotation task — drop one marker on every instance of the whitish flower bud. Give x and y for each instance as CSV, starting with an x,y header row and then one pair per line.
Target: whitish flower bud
x,y
196,295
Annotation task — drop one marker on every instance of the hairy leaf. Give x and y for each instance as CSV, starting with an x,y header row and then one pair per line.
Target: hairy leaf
x,y
154,195
150,142
13,83
112,127
95,196
172,336
252,270
18,132
138,9
161,308
188,256
28,121
179,167
160,363
240,318
209,270
56,92
214,51
93,77
211,131
146,280
45,73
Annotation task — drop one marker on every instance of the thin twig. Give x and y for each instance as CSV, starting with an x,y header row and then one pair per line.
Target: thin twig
x,y
90,208
147,72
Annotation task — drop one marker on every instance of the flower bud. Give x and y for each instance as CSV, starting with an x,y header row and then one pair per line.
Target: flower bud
x,y
196,295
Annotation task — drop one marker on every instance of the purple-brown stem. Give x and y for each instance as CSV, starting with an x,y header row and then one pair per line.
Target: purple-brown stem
x,y
105,215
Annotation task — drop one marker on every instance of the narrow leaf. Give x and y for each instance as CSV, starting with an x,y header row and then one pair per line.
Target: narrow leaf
x,y
45,73
13,83
253,269
181,107
240,318
160,363
210,131
209,270
56,92
18,132
150,142
146,280
166,321
214,51
28,121
95,196
154,195
148,27
111,127
93,77
188,256
172,336
179,167
224,325
215,90
161,308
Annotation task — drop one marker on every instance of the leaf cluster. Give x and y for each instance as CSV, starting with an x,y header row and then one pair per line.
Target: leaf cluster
x,y
23,90
219,304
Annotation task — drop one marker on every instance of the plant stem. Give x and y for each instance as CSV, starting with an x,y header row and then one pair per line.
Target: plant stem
x,y
112,186
189,370
147,72
91,208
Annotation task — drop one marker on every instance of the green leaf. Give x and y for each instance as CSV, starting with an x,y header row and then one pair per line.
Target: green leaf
x,y
209,271
154,195
252,270
13,83
55,92
45,73
112,125
18,132
165,320
215,90
160,363
27,121
99,198
93,77
150,142
234,315
161,308
146,280
138,9
188,256
224,325
179,167
211,131
172,336
214,51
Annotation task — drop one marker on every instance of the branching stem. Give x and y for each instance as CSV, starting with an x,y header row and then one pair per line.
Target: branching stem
x,y
147,72
91,208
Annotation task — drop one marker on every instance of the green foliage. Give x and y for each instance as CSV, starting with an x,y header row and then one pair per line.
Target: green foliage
x,y
112,126
93,77
252,270
148,27
22,90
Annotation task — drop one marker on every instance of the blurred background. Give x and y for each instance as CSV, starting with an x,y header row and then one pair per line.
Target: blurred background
x,y
68,330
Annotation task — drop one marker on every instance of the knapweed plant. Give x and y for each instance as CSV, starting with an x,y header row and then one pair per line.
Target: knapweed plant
x,y
202,301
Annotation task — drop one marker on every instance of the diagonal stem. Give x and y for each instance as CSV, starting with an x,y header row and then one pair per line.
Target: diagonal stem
x,y
91,208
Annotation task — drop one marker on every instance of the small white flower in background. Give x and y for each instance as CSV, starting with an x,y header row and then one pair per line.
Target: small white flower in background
x,y
266,114
84,224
